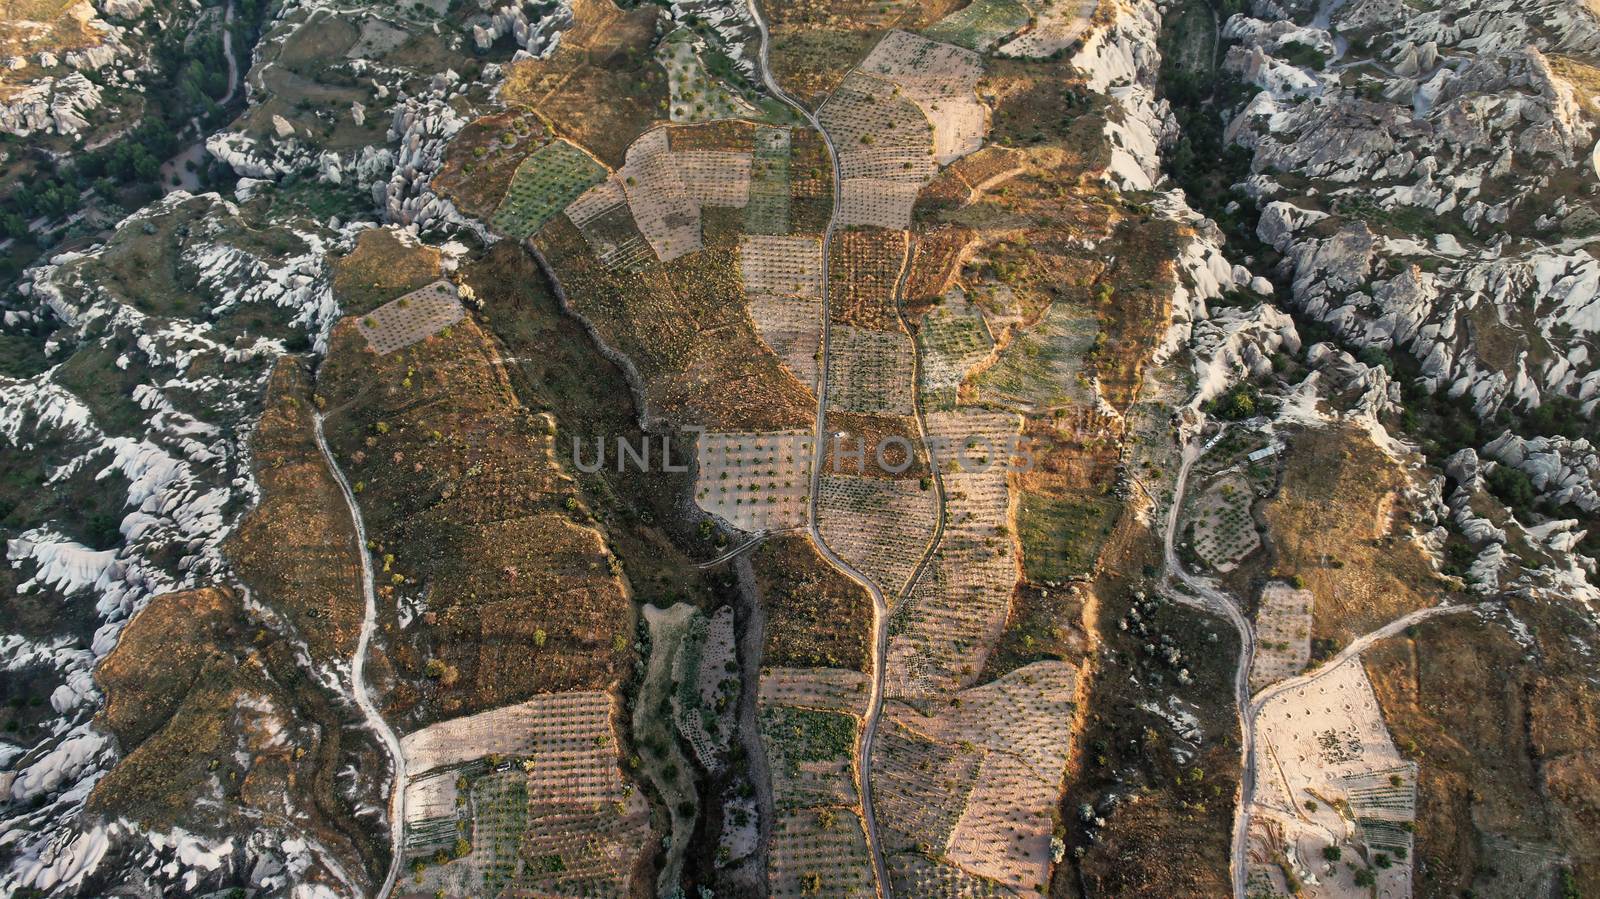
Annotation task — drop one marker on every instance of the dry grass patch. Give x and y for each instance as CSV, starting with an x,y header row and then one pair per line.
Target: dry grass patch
x,y
600,87
384,264
1507,737
849,433
30,27
731,135
981,24
1332,527
297,548
163,651
221,729
1065,509
481,159
967,179
816,617
936,259
481,542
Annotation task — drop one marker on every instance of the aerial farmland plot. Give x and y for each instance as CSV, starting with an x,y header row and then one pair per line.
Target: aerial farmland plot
x,y
1283,634
1043,367
953,339
1336,782
666,190
966,786
546,181
1224,531
696,95
880,526
695,449
602,215
529,796
755,481
871,371
768,209
940,637
783,292
886,151
413,317
808,720
791,326
1056,25
865,270
942,80
782,266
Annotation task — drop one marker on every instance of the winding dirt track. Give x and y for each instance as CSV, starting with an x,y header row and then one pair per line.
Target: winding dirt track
x,y
880,630
358,679
1207,597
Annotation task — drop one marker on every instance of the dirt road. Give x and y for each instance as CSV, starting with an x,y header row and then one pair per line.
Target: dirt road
x,y
358,679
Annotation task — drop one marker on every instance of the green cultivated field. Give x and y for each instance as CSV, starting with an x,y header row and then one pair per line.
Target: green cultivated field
x,y
981,24
550,178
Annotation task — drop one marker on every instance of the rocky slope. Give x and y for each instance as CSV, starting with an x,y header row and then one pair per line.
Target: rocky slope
x,y
1426,178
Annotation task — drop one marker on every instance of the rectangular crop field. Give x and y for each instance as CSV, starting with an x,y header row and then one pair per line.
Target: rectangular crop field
x,y
941,79
974,785
1042,369
878,525
768,209
755,481
870,371
953,338
865,272
416,316
1057,25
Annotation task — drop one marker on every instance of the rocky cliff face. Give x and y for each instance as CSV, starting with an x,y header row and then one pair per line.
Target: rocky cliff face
x,y
43,88
1429,179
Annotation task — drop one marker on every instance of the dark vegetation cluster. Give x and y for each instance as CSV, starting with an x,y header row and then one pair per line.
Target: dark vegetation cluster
x,y
190,75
